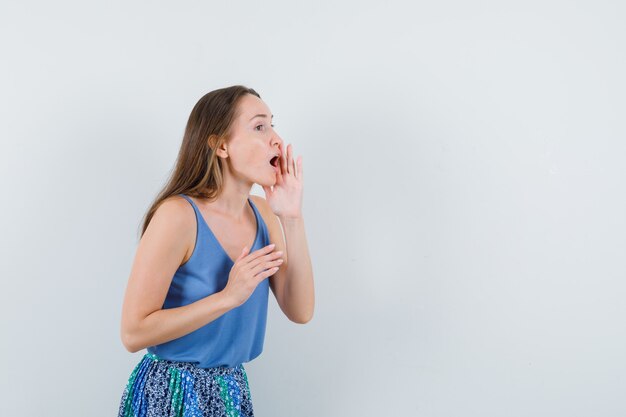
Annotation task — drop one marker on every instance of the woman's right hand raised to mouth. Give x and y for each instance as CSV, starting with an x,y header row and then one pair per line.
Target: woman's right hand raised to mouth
x,y
249,270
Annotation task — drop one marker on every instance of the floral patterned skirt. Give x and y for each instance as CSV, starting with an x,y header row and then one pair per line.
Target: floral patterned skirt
x,y
164,388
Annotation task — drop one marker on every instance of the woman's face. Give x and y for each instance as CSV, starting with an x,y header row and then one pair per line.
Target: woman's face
x,y
253,143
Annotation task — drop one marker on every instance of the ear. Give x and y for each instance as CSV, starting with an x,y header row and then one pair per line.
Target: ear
x,y
221,151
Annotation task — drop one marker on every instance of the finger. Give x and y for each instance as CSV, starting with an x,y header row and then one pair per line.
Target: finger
x,y
279,176
267,273
283,160
289,159
258,253
243,253
299,171
241,258
263,266
281,165
264,259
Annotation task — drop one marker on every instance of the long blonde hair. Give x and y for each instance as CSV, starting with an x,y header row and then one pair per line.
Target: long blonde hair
x,y
198,170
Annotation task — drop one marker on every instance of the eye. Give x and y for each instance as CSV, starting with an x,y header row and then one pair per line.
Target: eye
x,y
257,127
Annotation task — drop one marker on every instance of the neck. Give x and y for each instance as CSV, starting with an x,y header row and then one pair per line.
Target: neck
x,y
232,201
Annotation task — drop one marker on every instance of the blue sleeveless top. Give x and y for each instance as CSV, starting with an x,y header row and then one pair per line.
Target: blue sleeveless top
x,y
236,336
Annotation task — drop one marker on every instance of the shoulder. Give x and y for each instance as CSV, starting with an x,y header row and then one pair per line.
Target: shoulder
x,y
270,219
176,211
258,201
264,208
173,228
175,204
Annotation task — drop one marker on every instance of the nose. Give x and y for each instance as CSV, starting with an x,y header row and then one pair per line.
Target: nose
x,y
277,140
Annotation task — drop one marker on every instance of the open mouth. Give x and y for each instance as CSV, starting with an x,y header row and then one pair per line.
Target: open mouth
x,y
274,161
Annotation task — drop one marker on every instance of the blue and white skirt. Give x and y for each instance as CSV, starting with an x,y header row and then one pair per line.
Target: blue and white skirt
x,y
164,388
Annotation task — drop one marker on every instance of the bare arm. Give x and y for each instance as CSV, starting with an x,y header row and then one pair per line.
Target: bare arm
x,y
292,284
172,323
297,289
161,250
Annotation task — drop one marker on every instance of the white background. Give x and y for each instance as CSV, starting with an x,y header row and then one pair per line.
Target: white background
x,y
464,197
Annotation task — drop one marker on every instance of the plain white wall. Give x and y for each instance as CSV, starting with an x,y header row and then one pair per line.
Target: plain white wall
x,y
464,197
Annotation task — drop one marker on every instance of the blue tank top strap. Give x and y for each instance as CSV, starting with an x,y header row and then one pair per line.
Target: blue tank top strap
x,y
190,201
261,224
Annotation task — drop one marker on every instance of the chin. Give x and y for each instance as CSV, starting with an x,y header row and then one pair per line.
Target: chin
x,y
267,183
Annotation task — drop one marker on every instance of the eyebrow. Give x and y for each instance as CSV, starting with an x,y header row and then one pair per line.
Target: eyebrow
x,y
260,115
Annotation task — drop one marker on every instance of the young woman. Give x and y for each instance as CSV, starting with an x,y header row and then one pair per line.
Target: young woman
x,y
209,252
